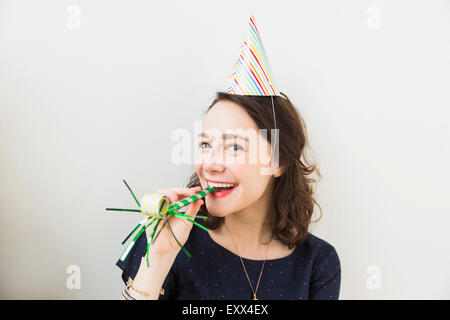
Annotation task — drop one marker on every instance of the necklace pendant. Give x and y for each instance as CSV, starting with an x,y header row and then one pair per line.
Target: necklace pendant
x,y
254,297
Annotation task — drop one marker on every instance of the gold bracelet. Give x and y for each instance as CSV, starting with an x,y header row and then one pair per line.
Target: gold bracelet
x,y
127,295
130,285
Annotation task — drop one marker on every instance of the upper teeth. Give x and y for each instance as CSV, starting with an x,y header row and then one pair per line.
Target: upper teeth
x,y
220,185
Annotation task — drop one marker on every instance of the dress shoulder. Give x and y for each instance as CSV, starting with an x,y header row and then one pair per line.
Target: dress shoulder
x,y
326,269
319,244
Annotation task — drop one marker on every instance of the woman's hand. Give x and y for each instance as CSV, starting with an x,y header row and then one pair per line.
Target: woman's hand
x,y
165,243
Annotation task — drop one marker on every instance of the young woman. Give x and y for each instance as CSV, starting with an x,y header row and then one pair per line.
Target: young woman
x,y
259,246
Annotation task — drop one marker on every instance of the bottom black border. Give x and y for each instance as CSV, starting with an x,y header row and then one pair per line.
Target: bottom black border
x,y
229,309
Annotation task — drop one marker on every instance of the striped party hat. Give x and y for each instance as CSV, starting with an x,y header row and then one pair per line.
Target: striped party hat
x,y
251,74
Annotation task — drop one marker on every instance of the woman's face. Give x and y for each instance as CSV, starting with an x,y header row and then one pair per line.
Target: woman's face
x,y
232,150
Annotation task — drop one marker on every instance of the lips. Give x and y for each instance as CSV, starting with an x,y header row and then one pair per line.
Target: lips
x,y
223,192
226,182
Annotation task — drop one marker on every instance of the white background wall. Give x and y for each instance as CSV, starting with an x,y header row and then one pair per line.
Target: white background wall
x,y
91,98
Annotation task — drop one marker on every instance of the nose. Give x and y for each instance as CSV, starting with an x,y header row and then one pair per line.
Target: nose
x,y
213,160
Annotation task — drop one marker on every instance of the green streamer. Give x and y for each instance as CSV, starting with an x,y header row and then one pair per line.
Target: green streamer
x,y
154,239
182,247
129,210
180,215
196,223
151,238
140,224
132,193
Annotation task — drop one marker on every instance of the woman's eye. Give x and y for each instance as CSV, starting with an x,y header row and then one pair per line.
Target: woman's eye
x,y
202,143
236,147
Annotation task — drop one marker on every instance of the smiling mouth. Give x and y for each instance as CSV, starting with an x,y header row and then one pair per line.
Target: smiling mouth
x,y
219,193
218,189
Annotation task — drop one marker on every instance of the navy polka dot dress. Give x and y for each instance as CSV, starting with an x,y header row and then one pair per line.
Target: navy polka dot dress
x,y
311,271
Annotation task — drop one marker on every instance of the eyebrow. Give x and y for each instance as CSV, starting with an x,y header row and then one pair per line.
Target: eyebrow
x,y
225,136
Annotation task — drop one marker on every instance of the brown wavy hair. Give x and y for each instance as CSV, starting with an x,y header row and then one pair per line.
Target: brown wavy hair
x,y
292,202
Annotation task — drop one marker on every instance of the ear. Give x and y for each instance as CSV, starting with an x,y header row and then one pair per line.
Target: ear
x,y
278,172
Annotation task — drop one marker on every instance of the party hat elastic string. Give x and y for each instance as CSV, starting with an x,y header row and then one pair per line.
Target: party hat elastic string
x,y
275,150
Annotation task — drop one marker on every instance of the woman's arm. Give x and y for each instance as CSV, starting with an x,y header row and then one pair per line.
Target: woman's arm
x,y
150,279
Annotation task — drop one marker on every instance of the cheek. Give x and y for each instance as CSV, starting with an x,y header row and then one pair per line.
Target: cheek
x,y
259,154
253,190
198,168
255,175
198,171
251,178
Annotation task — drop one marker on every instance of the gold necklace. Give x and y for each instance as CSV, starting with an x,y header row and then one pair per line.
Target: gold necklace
x,y
245,270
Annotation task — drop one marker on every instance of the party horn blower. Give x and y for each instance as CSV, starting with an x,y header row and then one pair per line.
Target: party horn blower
x,y
157,207
185,202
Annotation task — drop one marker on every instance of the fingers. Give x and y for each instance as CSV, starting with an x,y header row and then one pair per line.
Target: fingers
x,y
193,208
176,194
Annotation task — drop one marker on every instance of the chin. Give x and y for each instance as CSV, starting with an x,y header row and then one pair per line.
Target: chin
x,y
219,214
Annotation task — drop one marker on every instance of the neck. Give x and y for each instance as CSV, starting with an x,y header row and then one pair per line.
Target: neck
x,y
247,240
249,229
